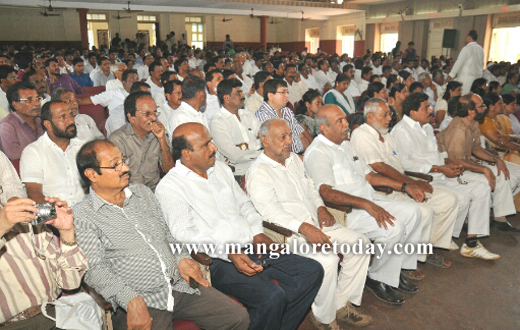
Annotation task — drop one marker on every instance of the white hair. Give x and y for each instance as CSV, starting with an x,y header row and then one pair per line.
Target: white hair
x,y
372,105
266,125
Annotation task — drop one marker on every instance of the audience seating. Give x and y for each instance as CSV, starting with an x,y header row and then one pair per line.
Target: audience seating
x,y
97,112
16,165
93,90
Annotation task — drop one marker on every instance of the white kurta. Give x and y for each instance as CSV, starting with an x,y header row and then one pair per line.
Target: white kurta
x,y
469,66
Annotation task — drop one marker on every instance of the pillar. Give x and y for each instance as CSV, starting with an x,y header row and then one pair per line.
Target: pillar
x,y
83,26
263,32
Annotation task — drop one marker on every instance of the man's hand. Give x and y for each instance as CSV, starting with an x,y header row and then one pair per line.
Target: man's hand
x,y
15,211
297,77
325,218
245,265
262,239
380,214
138,317
424,186
501,167
451,170
314,235
190,268
158,129
415,192
490,177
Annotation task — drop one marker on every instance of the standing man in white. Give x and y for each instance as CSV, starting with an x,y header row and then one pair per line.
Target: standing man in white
x,y
469,64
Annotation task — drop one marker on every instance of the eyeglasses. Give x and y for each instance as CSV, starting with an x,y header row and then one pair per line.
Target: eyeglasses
x,y
117,166
283,92
71,100
149,114
30,99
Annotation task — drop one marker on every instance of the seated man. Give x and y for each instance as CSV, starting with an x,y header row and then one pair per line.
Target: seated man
x,y
193,103
461,141
377,148
255,101
117,83
276,96
173,94
154,80
47,165
210,207
86,126
23,125
418,152
101,77
143,140
60,265
283,194
81,78
123,232
235,130
213,79
344,179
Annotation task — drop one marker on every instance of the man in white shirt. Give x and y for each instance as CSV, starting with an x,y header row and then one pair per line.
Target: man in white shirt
x,y
48,165
86,127
90,63
143,71
295,86
306,78
101,77
418,152
352,89
173,94
366,73
8,78
429,88
234,129
283,194
255,101
376,146
342,178
247,82
195,60
154,80
377,68
211,208
117,83
213,79
39,82
193,103
256,66
469,64
321,76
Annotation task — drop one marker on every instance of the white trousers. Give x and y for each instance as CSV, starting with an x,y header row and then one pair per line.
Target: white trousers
x,y
439,214
387,267
347,286
474,202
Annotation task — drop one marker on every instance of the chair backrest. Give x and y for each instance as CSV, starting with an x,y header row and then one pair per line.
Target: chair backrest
x,y
97,112
94,90
16,165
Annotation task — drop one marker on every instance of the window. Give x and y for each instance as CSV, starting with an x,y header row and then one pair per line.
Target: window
x,y
504,44
197,36
96,17
347,39
147,18
388,41
188,19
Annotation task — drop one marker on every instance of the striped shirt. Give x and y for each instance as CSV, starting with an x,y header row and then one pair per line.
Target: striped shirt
x,y
27,280
128,249
266,112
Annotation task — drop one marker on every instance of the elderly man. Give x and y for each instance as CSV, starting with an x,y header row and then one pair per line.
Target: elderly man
x,y
86,126
283,194
213,79
129,217
52,172
276,96
193,103
173,94
101,77
343,179
47,265
377,147
143,140
235,130
418,152
23,125
117,83
461,141
470,63
56,79
255,101
211,208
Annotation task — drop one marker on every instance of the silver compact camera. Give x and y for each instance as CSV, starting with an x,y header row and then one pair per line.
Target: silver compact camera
x,y
46,212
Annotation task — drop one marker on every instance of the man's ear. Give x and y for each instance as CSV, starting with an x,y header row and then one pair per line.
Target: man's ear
x,y
186,154
265,141
91,174
130,118
47,124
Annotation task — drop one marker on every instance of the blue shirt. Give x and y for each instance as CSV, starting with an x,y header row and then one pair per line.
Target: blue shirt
x,y
83,80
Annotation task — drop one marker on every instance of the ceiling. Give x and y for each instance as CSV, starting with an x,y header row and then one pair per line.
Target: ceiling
x,y
314,9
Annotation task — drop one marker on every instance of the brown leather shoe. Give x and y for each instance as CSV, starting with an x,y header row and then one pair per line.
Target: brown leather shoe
x,y
351,316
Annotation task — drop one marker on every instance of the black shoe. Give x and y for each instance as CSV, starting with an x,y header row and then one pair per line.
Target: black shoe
x,y
504,226
406,286
384,292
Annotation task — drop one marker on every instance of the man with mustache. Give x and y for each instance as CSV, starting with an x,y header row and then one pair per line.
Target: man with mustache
x,y
56,79
122,230
143,140
47,166
439,207
210,207
461,140
234,129
193,103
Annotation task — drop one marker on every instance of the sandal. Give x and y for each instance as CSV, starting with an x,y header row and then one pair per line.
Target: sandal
x,y
410,274
437,261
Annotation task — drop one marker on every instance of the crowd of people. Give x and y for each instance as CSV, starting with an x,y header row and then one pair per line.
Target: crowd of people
x,y
204,147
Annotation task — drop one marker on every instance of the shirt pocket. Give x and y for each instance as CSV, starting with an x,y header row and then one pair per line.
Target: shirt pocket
x,y
342,174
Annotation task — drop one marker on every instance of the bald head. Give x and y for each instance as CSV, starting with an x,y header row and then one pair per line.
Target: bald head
x,y
332,123
192,144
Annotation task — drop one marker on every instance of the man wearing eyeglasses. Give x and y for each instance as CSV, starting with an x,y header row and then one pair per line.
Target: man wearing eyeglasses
x,y
47,166
7,79
23,125
143,140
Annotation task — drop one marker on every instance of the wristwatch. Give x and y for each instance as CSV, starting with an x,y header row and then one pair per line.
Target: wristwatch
x,y
403,187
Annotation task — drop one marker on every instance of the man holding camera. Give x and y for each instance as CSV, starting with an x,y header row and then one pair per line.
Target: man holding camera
x,y
35,266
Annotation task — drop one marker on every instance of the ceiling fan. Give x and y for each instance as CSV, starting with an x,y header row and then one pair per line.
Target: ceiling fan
x,y
129,10
118,17
46,14
50,7
224,20
252,15
401,12
273,21
304,19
